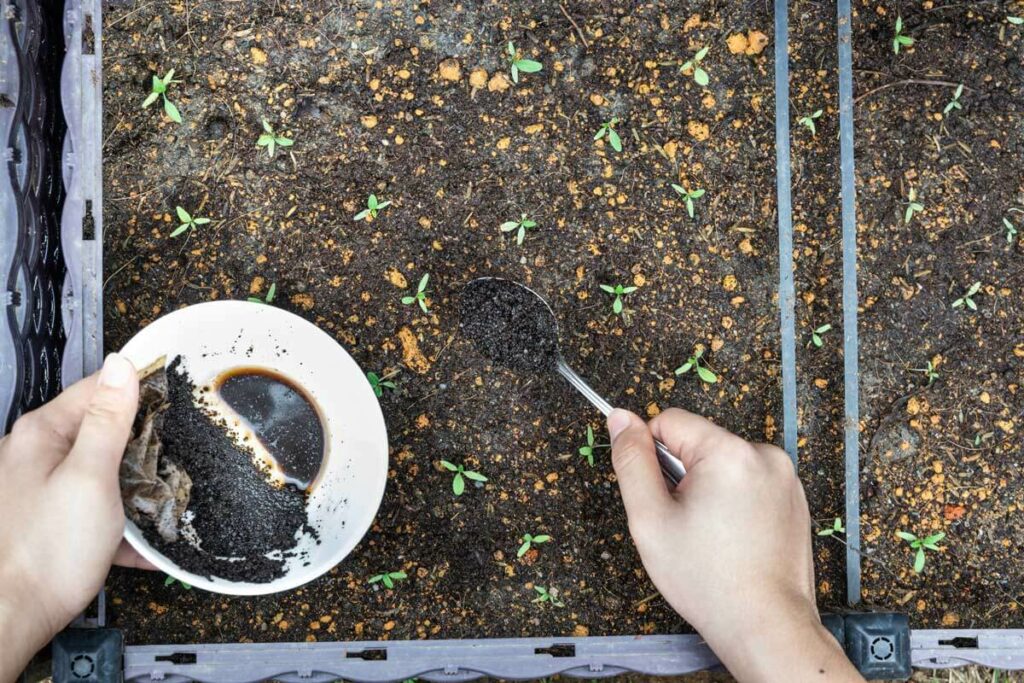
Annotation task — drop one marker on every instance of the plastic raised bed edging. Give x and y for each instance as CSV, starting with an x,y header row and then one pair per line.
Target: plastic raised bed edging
x,y
51,257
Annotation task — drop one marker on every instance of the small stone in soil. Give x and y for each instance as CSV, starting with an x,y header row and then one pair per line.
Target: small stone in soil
x,y
509,325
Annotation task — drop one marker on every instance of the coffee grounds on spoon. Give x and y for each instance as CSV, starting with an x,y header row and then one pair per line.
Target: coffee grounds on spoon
x,y
510,325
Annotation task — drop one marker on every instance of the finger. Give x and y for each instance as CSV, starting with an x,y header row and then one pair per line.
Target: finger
x,y
127,556
107,422
636,466
45,435
691,437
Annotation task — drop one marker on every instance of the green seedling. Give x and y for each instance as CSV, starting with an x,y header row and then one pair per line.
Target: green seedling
x,y
373,207
461,474
517,63
913,207
968,298
836,528
420,297
530,541
694,362
700,76
1016,21
808,121
170,581
899,40
379,384
159,90
929,372
521,226
388,578
618,291
544,595
188,221
1011,230
272,140
608,128
589,451
920,544
689,196
955,102
269,298
817,333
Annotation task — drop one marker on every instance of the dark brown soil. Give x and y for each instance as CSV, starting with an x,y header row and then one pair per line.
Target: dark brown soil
x,y
509,325
375,104
236,512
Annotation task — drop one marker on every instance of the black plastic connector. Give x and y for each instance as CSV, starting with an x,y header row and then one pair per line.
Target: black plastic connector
x,y
878,643
88,655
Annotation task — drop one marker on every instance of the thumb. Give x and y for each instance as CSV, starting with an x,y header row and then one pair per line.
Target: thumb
x,y
107,423
636,466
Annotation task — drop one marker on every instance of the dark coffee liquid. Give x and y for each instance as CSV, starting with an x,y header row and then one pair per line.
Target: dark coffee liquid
x,y
283,419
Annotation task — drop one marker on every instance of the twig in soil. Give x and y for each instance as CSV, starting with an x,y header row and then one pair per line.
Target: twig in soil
x,y
646,600
576,26
906,81
123,266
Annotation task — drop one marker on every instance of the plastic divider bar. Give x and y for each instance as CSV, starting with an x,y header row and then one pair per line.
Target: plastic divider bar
x,y
787,292
82,221
438,660
851,374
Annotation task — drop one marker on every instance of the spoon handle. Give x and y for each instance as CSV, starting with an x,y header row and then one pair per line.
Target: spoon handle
x,y
671,467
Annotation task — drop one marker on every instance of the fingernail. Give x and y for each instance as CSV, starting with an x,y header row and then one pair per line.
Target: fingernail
x,y
117,372
618,420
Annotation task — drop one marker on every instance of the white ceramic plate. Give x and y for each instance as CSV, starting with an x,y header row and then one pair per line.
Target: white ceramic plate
x,y
220,335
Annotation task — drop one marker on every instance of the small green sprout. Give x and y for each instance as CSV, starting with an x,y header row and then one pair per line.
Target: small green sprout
x,y
968,298
929,372
529,541
955,102
272,140
618,291
808,121
817,333
608,128
517,63
269,298
420,297
544,595
898,38
379,384
458,483
170,581
700,76
1016,21
373,207
689,197
522,225
188,221
913,206
1011,230
920,544
588,451
159,89
836,528
388,578
694,362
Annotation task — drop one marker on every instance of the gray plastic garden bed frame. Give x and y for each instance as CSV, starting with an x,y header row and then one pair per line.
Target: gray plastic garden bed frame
x,y
51,259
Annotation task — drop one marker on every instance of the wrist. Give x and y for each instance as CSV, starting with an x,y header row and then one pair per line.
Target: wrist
x,y
784,643
23,632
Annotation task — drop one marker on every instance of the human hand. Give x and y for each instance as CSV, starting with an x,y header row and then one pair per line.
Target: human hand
x,y
60,502
730,548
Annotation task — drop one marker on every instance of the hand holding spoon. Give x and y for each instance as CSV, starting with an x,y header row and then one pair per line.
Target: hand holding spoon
x,y
513,326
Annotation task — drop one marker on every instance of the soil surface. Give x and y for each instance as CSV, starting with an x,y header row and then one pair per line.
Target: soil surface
x,y
413,103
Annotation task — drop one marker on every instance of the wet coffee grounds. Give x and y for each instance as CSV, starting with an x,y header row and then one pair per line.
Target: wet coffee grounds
x,y
239,517
509,325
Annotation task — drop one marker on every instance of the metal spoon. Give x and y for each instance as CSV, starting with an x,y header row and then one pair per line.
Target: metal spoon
x,y
671,467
